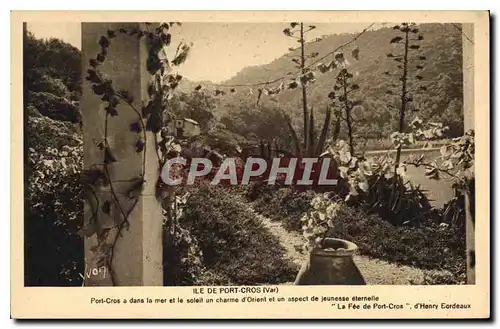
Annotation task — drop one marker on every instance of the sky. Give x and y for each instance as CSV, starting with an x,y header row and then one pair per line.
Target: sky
x,y
219,50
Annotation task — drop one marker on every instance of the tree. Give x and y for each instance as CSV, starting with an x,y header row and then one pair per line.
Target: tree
x,y
51,59
306,74
345,87
195,105
407,39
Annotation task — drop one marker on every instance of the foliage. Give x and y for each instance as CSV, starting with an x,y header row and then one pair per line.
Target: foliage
x,y
54,107
48,84
427,246
373,183
232,242
256,124
307,76
456,162
318,220
259,191
52,75
219,139
49,60
216,241
379,183
313,147
195,105
409,80
53,165
385,144
284,204
182,257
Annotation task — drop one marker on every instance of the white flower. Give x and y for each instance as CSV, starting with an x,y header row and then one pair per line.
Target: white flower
x,y
401,170
448,164
345,157
316,202
363,185
343,171
331,210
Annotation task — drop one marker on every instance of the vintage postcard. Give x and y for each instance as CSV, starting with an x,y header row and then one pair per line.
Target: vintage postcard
x,y
250,164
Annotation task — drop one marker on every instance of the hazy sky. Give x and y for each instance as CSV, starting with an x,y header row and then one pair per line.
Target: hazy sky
x,y
220,50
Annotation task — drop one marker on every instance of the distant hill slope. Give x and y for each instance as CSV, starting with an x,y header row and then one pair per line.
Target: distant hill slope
x,y
442,102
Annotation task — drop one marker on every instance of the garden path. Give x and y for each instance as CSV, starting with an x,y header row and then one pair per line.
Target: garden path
x,y
374,271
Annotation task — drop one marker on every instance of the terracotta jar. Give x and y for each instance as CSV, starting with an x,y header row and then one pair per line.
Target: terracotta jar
x,y
331,265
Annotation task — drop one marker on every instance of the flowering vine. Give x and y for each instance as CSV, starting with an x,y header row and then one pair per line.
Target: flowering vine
x,y
150,117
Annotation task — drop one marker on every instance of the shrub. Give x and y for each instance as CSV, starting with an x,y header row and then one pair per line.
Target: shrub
x,y
285,204
259,190
236,248
54,107
53,164
181,257
427,246
51,85
409,203
292,205
51,58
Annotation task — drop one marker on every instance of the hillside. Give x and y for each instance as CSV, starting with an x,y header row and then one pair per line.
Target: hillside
x,y
442,75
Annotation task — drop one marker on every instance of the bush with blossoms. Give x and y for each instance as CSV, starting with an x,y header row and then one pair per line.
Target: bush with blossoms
x,y
53,203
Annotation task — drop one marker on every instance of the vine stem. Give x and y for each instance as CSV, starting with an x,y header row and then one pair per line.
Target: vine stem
x,y
125,215
95,209
106,170
143,128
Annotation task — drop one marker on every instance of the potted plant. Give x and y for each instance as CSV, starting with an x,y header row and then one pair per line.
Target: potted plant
x,y
330,260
